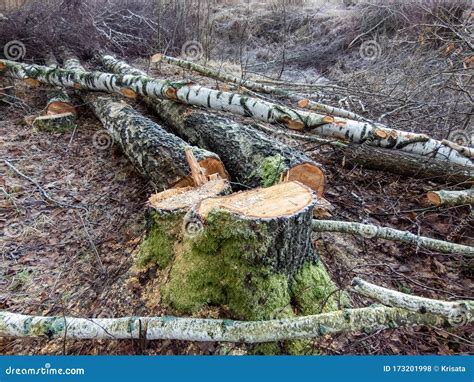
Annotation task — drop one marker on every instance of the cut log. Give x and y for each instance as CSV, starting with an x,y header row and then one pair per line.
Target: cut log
x,y
373,231
458,313
356,133
250,252
407,164
367,320
60,114
157,154
451,198
55,122
131,86
340,128
252,158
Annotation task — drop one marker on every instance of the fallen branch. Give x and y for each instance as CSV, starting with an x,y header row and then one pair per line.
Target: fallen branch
x,y
457,312
373,231
369,320
451,198
331,110
345,129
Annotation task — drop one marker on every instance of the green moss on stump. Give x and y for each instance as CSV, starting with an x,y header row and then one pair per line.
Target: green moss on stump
x,y
158,246
219,268
313,289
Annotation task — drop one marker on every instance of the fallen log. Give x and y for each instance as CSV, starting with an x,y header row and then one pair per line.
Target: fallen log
x,y
157,154
458,313
451,198
325,109
373,231
60,114
131,86
250,252
407,164
253,159
368,320
345,129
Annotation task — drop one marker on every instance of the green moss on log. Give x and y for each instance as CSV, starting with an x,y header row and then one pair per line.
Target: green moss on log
x,y
271,170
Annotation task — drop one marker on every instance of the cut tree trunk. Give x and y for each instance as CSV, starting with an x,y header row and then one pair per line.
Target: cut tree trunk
x,y
250,252
157,154
345,129
60,114
451,198
368,320
407,164
373,231
458,313
252,158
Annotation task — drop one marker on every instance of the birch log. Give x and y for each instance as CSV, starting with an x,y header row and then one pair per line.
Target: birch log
x,y
457,312
60,113
368,320
373,231
345,129
330,110
157,154
451,198
252,158
131,86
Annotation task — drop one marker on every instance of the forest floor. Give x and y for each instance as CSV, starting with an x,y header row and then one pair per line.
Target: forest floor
x,y
73,260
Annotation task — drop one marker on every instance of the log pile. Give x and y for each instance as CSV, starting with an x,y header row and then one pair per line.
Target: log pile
x,y
249,252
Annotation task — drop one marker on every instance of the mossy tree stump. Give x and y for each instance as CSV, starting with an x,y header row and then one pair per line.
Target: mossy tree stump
x,y
249,253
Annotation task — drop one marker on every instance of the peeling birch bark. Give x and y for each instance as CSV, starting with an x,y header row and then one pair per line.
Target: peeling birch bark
x,y
373,231
157,154
451,198
458,313
252,158
368,320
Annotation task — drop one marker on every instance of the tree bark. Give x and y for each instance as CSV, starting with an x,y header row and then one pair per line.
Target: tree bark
x,y
458,313
407,164
157,154
373,231
330,110
252,158
368,320
451,198
345,129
